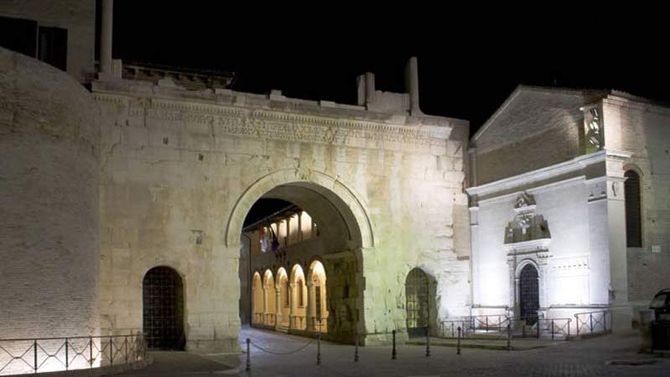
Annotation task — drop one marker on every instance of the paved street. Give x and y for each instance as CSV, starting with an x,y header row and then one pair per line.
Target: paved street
x,y
613,355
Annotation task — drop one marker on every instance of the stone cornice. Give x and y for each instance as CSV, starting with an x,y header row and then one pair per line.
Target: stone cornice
x,y
267,123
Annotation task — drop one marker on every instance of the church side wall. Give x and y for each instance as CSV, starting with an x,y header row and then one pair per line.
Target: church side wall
x,y
644,130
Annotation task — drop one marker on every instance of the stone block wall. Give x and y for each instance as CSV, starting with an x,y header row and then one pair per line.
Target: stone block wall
x,y
176,162
643,129
49,235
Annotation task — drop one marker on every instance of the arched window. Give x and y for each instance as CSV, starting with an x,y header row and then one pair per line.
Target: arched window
x,y
633,213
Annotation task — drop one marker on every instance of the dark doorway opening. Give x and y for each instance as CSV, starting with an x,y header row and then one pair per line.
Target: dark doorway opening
x,y
418,296
163,309
529,294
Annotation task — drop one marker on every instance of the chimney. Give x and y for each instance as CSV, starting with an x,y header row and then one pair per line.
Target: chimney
x,y
412,85
106,36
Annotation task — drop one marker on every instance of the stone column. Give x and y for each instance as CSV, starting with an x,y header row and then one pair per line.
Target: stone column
x,y
412,84
311,306
291,306
106,36
278,307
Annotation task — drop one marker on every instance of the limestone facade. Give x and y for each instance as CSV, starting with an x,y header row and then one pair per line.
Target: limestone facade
x,y
180,166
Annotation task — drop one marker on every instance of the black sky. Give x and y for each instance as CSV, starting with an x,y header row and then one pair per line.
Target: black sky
x,y
469,61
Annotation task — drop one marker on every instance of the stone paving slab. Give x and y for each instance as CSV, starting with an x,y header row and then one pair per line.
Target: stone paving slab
x,y
613,355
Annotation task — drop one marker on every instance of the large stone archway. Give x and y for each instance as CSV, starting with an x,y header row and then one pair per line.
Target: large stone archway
x,y
180,170
343,198
345,231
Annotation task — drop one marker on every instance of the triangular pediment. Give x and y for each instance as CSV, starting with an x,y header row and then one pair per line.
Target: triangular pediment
x,y
530,111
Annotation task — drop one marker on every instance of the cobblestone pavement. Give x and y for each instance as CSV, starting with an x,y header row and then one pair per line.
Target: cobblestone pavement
x,y
612,355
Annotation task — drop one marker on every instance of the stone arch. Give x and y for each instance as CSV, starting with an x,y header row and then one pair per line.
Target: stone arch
x,y
299,297
317,307
345,200
257,307
420,302
284,298
270,298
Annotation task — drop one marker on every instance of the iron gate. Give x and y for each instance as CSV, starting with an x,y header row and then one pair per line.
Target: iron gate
x,y
529,295
417,295
163,309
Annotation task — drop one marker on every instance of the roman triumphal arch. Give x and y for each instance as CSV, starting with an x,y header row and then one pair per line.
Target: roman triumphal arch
x,y
180,169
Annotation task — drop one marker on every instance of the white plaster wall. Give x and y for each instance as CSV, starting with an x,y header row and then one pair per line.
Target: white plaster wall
x,y
49,237
77,16
574,274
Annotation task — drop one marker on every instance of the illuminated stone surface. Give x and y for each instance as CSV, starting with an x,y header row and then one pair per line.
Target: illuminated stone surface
x,y
49,238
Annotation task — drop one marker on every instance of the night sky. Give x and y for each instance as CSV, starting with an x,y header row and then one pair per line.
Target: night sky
x,y
469,61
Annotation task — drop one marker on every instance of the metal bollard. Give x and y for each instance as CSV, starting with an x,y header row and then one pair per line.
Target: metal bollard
x,y
318,349
393,353
356,348
35,354
458,342
248,354
67,356
427,342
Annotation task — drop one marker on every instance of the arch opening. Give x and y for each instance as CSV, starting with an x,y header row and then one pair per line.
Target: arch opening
x,y
295,232
421,311
163,309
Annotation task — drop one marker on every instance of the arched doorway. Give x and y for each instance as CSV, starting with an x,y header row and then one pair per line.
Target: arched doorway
x,y
270,293
298,298
291,223
529,294
257,306
163,309
284,304
318,308
419,302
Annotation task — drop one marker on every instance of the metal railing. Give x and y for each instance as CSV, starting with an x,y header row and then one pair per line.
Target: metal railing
x,y
471,325
593,322
554,328
38,355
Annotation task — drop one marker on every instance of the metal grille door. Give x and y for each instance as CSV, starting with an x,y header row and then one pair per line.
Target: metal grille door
x,y
529,294
163,313
416,292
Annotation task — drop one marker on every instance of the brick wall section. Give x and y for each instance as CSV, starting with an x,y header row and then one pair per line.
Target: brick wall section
x,y
535,128
547,148
644,130
49,244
